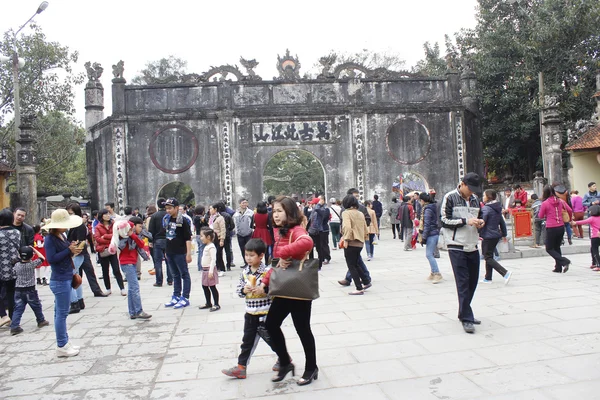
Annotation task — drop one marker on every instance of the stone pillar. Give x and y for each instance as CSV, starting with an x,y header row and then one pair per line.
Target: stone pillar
x,y
358,123
27,179
468,85
94,103
538,183
472,129
118,96
42,206
453,84
552,139
225,126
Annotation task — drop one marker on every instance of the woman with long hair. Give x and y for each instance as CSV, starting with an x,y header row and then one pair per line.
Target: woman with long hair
x,y
59,253
293,243
103,235
11,239
430,234
216,222
552,211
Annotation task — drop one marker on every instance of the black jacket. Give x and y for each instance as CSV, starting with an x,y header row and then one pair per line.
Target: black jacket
x,y
155,226
494,227
26,234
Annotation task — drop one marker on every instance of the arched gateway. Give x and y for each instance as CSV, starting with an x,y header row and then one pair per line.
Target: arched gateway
x,y
217,135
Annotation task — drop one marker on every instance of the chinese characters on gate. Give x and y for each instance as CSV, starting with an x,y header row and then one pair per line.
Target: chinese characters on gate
x,y
303,131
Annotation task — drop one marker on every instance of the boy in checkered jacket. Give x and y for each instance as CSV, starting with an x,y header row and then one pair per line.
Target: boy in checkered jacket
x,y
253,286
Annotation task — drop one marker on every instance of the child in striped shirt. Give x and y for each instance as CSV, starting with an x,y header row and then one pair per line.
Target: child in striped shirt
x,y
253,286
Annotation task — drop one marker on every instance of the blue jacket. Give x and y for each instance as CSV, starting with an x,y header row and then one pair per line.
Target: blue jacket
x,y
59,257
319,219
430,221
494,227
590,197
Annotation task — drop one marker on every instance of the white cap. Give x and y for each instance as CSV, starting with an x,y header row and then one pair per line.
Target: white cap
x,y
332,200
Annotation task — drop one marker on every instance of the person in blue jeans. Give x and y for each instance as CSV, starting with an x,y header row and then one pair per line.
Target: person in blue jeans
x,y
58,253
179,253
430,234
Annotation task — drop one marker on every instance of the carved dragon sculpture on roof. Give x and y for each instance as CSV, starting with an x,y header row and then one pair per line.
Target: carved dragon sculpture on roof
x,y
223,70
353,70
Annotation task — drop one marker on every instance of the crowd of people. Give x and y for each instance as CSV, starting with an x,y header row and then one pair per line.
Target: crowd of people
x,y
271,237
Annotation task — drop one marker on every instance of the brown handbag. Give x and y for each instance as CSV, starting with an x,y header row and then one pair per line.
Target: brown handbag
x,y
76,281
299,281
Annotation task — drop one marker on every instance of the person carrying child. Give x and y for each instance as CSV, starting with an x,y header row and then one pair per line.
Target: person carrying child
x,y
210,279
126,239
25,292
594,222
252,286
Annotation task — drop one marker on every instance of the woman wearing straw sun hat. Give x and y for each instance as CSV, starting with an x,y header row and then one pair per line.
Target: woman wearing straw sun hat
x,y
59,253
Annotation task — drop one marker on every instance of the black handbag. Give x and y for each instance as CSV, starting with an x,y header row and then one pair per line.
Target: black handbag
x,y
299,281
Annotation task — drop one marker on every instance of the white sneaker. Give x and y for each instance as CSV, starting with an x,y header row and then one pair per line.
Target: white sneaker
x,y
67,350
507,277
123,292
5,320
108,292
221,273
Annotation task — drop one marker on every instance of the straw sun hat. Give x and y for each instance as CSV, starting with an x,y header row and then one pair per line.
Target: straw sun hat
x,y
60,219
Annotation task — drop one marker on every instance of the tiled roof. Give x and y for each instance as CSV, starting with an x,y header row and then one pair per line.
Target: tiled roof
x,y
5,167
588,141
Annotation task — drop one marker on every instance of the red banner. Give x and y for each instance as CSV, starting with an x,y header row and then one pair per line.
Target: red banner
x,y
522,224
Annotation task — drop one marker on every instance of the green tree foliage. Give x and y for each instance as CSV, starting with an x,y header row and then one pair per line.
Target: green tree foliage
x,y
293,172
511,44
47,81
180,191
47,89
165,69
433,64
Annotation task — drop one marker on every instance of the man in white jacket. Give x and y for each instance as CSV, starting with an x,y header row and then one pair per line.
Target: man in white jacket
x,y
243,219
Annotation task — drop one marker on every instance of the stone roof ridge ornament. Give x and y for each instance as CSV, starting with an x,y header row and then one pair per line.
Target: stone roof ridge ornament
x,y
250,65
223,71
117,70
327,63
94,72
288,67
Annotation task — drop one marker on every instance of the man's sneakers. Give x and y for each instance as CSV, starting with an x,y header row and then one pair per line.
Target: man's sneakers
x,y
183,302
141,315
468,327
173,302
238,372
16,331
43,323
486,280
344,282
437,278
507,277
123,292
220,274
68,350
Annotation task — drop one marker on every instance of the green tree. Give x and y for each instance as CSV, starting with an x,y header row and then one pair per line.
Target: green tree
x,y
293,172
46,81
47,89
510,45
180,191
433,64
163,70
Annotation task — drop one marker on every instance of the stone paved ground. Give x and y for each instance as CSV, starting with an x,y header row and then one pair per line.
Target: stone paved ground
x,y
538,340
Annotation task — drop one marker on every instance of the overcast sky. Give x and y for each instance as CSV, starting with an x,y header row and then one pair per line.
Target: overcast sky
x,y
215,33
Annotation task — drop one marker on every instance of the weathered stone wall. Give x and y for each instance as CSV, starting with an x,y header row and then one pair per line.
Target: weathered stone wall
x,y
217,137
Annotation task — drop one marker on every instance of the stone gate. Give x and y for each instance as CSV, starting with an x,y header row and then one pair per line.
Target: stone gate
x,y
216,131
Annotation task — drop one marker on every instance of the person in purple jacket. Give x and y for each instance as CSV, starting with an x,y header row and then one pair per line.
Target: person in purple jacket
x,y
551,210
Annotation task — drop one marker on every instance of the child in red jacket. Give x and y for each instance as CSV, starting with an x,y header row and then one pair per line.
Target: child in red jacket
x,y
128,244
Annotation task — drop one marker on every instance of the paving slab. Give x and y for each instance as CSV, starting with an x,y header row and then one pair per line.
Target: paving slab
x,y
401,340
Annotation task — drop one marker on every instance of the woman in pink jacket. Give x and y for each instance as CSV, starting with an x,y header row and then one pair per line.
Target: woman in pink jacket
x,y
552,211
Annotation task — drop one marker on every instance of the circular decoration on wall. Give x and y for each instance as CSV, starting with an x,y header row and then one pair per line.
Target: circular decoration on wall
x,y
174,149
408,141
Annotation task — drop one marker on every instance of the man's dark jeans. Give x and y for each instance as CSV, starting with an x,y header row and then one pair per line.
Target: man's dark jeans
x,y
242,240
158,254
181,274
228,251
88,268
465,266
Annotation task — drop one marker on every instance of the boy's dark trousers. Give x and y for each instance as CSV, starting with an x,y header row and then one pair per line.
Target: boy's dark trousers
x,y
254,329
466,274
24,296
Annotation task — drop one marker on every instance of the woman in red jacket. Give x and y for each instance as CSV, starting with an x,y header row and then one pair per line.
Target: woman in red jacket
x,y
103,235
292,243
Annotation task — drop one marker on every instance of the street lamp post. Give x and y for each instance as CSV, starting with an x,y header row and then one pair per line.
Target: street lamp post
x,y
27,191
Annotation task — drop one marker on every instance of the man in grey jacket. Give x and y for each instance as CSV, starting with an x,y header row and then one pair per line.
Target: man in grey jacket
x,y
461,217
243,226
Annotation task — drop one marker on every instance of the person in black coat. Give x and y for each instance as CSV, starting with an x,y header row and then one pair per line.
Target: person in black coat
x,y
491,233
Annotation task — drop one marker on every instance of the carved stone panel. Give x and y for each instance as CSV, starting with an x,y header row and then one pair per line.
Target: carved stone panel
x,y
174,149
